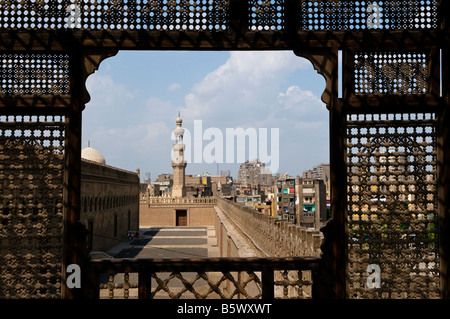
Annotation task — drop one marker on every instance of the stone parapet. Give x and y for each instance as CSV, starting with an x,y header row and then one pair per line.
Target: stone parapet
x,y
273,237
166,201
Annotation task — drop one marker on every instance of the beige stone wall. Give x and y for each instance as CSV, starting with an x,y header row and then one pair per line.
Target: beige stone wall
x,y
109,204
201,216
240,231
227,247
166,216
156,216
272,237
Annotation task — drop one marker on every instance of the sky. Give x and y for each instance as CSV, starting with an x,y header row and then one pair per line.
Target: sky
x,y
136,97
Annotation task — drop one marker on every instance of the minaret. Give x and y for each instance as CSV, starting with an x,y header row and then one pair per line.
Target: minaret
x,y
178,163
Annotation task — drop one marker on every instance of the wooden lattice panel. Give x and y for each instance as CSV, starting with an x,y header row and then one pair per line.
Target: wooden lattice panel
x,y
211,285
293,284
361,15
31,206
392,205
391,73
213,15
115,15
34,74
267,14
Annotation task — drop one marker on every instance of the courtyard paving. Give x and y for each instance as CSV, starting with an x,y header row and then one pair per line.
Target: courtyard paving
x,y
161,243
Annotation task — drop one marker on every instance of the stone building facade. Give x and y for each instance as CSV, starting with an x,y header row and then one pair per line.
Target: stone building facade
x,y
109,201
176,211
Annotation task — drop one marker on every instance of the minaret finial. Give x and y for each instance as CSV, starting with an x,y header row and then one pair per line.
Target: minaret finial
x,y
89,143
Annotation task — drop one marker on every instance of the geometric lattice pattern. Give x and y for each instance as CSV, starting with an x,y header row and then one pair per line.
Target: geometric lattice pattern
x,y
34,74
390,73
31,206
360,15
267,14
115,15
392,205
213,15
293,284
210,285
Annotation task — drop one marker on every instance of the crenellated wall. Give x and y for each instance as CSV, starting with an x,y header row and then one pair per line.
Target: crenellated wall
x,y
271,236
240,231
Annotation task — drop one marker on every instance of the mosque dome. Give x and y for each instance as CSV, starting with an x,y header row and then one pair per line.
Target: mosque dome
x,y
91,154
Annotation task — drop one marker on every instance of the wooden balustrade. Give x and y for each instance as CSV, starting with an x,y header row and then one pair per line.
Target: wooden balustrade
x,y
210,278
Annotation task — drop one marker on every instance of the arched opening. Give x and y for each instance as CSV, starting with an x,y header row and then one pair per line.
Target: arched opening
x,y
136,96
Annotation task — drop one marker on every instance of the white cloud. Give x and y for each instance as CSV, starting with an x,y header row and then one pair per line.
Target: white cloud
x,y
126,126
249,90
174,86
242,89
132,129
301,105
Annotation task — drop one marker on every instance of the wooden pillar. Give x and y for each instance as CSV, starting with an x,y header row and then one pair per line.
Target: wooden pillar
x,y
443,156
81,65
325,61
444,200
74,252
338,181
267,280
444,173
239,15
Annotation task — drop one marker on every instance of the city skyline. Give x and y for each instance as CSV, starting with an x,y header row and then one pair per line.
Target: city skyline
x,y
132,112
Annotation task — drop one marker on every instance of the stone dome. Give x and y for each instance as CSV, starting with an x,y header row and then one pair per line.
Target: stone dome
x,y
91,154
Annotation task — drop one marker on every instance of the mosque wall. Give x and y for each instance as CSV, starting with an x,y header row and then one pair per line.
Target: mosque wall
x,y
168,216
109,204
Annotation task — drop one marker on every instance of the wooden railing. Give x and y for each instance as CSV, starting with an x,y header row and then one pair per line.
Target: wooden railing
x,y
207,278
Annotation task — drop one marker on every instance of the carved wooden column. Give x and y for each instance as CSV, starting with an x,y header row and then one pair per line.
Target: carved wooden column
x,y
325,61
82,64
444,157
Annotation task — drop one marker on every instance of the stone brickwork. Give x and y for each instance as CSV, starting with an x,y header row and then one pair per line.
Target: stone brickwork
x,y
109,204
240,231
162,211
272,237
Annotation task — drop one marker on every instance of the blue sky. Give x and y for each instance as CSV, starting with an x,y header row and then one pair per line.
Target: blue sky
x,y
135,98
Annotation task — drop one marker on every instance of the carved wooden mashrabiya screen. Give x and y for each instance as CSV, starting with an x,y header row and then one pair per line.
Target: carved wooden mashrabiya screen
x,y
392,183
391,157
214,15
392,205
32,149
